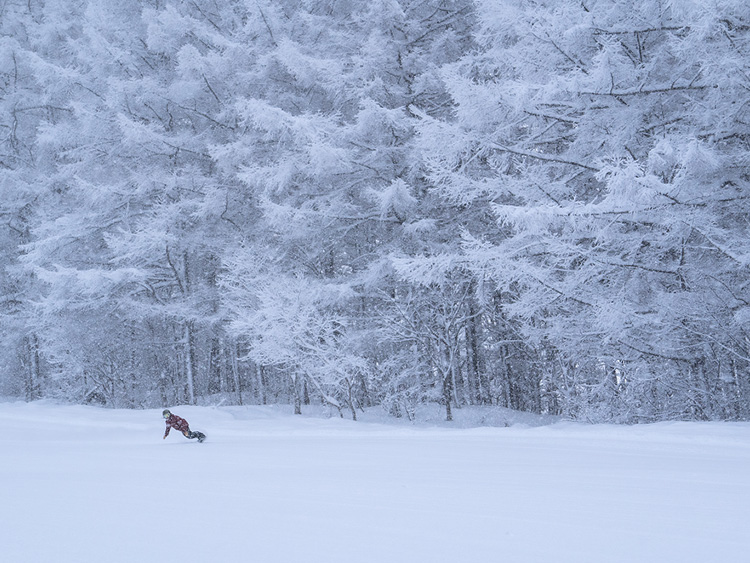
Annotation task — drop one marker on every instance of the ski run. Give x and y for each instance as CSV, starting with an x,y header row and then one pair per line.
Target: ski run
x,y
84,484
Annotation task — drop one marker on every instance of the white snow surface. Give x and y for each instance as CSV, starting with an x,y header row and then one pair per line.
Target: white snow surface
x,y
84,484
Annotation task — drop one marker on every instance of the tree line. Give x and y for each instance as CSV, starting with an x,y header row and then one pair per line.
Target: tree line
x,y
536,204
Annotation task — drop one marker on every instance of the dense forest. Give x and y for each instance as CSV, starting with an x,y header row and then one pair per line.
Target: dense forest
x,y
536,204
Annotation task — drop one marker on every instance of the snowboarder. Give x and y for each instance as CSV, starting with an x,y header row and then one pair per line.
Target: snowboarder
x,y
178,423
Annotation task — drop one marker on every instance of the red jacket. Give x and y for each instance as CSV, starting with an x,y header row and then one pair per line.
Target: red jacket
x,y
177,423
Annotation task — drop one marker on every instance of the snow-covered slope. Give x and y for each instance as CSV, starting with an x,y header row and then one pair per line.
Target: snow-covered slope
x,y
81,484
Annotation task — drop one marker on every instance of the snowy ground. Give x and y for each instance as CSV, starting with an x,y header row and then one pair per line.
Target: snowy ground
x,y
81,484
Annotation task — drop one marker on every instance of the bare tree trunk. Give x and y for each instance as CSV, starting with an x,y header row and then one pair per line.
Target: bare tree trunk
x,y
190,362
33,374
351,398
235,371
222,359
510,388
296,394
472,349
305,392
263,396
457,382
189,336
447,392
736,392
132,373
457,379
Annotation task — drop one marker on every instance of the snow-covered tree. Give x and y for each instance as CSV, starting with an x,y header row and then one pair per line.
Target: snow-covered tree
x,y
530,203
608,141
